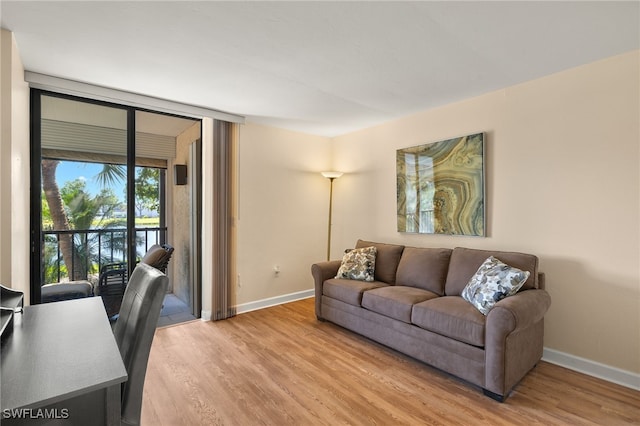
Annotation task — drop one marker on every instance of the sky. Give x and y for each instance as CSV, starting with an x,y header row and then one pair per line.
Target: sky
x,y
71,170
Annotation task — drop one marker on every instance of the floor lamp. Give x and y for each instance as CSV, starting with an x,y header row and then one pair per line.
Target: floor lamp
x,y
331,176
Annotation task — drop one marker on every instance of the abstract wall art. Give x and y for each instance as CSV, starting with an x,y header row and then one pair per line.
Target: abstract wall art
x,y
440,187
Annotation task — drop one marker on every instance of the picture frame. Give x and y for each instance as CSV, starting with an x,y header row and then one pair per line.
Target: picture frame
x,y
441,187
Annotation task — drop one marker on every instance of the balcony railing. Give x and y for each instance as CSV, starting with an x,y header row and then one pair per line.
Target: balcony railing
x,y
91,249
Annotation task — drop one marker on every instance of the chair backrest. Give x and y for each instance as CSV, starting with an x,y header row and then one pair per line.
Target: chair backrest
x,y
158,256
115,275
134,330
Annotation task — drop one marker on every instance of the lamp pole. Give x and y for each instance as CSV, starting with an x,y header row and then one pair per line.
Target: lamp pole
x,y
331,179
331,176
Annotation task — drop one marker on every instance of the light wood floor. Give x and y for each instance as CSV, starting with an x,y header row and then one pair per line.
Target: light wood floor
x,y
280,366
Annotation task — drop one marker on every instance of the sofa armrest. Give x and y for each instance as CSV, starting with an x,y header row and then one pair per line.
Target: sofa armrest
x,y
321,272
514,338
519,311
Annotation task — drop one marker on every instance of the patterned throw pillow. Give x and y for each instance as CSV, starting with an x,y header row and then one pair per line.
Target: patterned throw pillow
x,y
358,264
493,282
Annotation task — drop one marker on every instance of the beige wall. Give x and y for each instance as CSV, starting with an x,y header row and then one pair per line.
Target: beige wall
x,y
180,217
14,168
562,182
282,211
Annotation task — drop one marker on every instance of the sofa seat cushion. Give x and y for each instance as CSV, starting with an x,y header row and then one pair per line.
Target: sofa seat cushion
x,y
349,291
451,316
395,301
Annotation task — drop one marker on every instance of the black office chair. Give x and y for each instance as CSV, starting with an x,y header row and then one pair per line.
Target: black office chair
x,y
134,330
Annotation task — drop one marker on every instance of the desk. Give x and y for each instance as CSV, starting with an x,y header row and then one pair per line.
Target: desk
x,y
59,352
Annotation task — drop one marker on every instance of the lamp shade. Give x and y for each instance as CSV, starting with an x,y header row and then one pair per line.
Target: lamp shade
x,y
332,175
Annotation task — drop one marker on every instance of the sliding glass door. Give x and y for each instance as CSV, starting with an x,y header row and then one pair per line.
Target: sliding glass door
x,y
100,192
82,210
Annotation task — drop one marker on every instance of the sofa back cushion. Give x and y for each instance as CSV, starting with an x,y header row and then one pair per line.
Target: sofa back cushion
x,y
387,259
465,262
424,268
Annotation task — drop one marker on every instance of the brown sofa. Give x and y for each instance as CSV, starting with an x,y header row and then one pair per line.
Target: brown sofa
x,y
414,305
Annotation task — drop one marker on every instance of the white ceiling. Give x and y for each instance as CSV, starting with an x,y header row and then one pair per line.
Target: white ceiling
x,y
324,68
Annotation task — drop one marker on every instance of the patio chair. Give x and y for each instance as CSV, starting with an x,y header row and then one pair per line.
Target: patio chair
x,y
65,291
113,277
158,256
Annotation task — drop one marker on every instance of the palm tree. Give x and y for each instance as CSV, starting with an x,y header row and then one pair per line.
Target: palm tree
x,y
59,216
110,175
86,212
80,212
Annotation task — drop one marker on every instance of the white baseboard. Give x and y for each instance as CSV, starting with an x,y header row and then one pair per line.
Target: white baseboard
x,y
273,301
205,315
592,368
